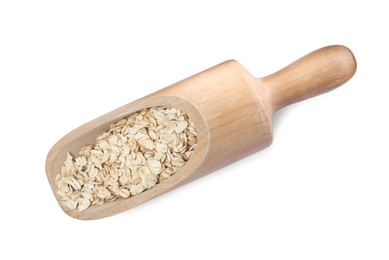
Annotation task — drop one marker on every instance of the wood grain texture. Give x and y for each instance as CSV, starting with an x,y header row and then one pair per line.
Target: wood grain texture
x,y
313,74
231,110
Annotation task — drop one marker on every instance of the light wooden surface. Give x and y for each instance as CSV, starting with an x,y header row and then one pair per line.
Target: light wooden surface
x,y
232,112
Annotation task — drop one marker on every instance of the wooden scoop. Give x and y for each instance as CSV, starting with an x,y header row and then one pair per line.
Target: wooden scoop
x,y
231,110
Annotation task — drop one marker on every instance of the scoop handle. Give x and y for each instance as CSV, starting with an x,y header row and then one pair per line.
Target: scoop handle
x,y
316,73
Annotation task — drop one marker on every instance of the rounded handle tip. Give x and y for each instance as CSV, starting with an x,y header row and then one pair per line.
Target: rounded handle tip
x,y
344,60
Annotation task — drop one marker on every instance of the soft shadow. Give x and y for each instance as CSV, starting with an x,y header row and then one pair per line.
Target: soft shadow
x,y
278,116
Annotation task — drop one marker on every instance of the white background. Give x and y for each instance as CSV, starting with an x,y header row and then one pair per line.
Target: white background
x,y
321,191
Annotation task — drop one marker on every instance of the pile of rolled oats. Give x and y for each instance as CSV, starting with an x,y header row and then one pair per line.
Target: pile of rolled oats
x,y
134,155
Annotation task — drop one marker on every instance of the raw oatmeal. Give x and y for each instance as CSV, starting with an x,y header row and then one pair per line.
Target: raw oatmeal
x,y
134,155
